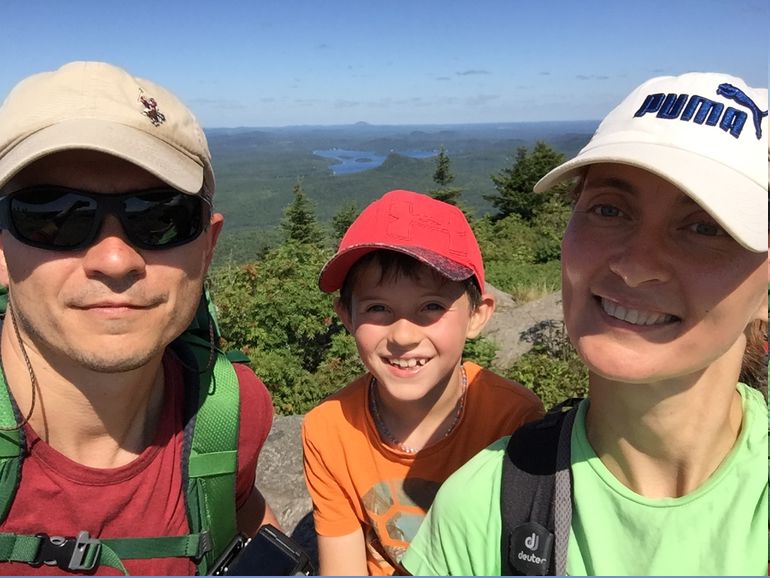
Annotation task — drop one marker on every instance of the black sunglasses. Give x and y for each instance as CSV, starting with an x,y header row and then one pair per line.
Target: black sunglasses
x,y
62,219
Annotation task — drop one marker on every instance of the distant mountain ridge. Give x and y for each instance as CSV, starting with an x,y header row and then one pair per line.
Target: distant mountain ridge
x,y
256,168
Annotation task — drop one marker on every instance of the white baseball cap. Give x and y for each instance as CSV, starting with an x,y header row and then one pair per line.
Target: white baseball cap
x,y
704,132
98,106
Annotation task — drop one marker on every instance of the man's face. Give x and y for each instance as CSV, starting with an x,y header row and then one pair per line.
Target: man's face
x,y
109,307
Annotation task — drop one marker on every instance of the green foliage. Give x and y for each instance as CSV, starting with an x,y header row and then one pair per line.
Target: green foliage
x,y
443,177
510,240
514,255
343,219
552,369
514,184
549,224
525,281
299,222
481,351
245,246
341,365
274,312
291,387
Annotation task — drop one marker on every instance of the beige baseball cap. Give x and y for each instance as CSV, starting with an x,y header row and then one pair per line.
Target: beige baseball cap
x,y
704,132
101,107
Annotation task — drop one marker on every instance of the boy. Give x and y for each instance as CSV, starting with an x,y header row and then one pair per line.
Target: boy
x,y
411,283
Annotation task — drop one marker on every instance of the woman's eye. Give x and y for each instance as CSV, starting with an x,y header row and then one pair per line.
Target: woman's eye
x,y
606,211
708,229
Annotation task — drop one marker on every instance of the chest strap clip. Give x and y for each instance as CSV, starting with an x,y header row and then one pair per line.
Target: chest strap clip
x,y
68,552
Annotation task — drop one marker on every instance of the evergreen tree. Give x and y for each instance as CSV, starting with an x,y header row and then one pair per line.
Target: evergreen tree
x,y
343,219
443,177
514,185
299,222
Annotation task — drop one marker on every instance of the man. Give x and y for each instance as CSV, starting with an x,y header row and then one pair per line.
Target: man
x,y
105,203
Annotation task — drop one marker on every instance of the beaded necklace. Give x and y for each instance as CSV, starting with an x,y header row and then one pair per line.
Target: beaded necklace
x,y
386,433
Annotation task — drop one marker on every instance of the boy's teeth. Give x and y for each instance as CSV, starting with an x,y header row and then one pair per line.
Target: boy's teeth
x,y
634,316
408,363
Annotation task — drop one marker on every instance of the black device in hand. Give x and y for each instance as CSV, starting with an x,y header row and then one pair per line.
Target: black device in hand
x,y
269,553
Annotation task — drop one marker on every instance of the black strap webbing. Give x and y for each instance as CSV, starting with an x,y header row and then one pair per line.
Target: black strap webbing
x,y
536,475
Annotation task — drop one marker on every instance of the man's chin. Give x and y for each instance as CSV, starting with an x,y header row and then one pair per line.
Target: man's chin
x,y
119,362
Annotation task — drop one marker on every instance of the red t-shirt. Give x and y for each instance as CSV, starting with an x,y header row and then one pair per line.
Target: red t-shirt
x,y
60,497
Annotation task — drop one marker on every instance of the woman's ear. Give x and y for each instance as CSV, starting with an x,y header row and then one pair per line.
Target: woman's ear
x,y
481,316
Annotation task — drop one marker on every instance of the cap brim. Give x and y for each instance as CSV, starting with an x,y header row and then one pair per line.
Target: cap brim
x,y
336,269
735,201
157,157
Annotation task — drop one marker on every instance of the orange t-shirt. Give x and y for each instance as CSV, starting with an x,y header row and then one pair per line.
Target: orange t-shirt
x,y
357,480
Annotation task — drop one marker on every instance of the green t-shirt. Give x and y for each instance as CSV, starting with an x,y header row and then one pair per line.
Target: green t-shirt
x,y
718,529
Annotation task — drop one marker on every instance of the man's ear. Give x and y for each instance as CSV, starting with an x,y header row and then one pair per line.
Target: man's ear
x,y
344,314
481,316
4,278
212,234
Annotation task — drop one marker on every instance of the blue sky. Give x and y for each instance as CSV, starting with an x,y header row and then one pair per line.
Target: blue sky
x,y
290,62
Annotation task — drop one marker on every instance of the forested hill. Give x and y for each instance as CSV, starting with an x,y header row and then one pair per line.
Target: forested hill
x,y
256,169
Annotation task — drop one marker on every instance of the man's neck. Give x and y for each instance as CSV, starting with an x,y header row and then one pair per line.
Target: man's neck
x,y
101,420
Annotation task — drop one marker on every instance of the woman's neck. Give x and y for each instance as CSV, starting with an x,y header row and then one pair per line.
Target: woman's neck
x,y
665,439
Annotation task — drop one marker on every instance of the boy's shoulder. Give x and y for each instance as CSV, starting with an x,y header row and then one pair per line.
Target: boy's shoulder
x,y
347,404
485,380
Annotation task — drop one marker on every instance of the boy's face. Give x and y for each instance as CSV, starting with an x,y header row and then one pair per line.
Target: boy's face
x,y
411,332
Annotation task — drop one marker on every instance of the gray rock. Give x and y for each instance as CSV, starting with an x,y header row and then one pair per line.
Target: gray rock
x,y
281,480
515,327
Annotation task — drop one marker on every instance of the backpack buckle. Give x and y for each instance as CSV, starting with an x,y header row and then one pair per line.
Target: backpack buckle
x,y
79,552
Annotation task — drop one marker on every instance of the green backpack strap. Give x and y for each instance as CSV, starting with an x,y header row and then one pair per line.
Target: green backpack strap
x,y
11,450
12,443
211,447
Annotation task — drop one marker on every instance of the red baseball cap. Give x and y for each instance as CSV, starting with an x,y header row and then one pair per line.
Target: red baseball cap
x,y
431,231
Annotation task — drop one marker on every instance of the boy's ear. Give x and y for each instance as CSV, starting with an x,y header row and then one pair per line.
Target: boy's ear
x,y
344,315
481,316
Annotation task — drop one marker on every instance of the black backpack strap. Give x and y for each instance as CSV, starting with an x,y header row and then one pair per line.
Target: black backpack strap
x,y
535,495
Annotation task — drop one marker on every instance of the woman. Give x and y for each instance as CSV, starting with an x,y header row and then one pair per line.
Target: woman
x,y
663,269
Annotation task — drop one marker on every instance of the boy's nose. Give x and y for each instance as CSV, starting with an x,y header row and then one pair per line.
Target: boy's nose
x,y
404,333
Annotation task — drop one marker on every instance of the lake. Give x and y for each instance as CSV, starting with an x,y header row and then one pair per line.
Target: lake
x,y
349,161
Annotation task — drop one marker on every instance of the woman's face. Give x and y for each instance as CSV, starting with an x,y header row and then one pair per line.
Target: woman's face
x,y
653,288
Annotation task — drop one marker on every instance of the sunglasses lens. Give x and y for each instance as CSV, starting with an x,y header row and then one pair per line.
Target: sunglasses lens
x,y
52,218
162,218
